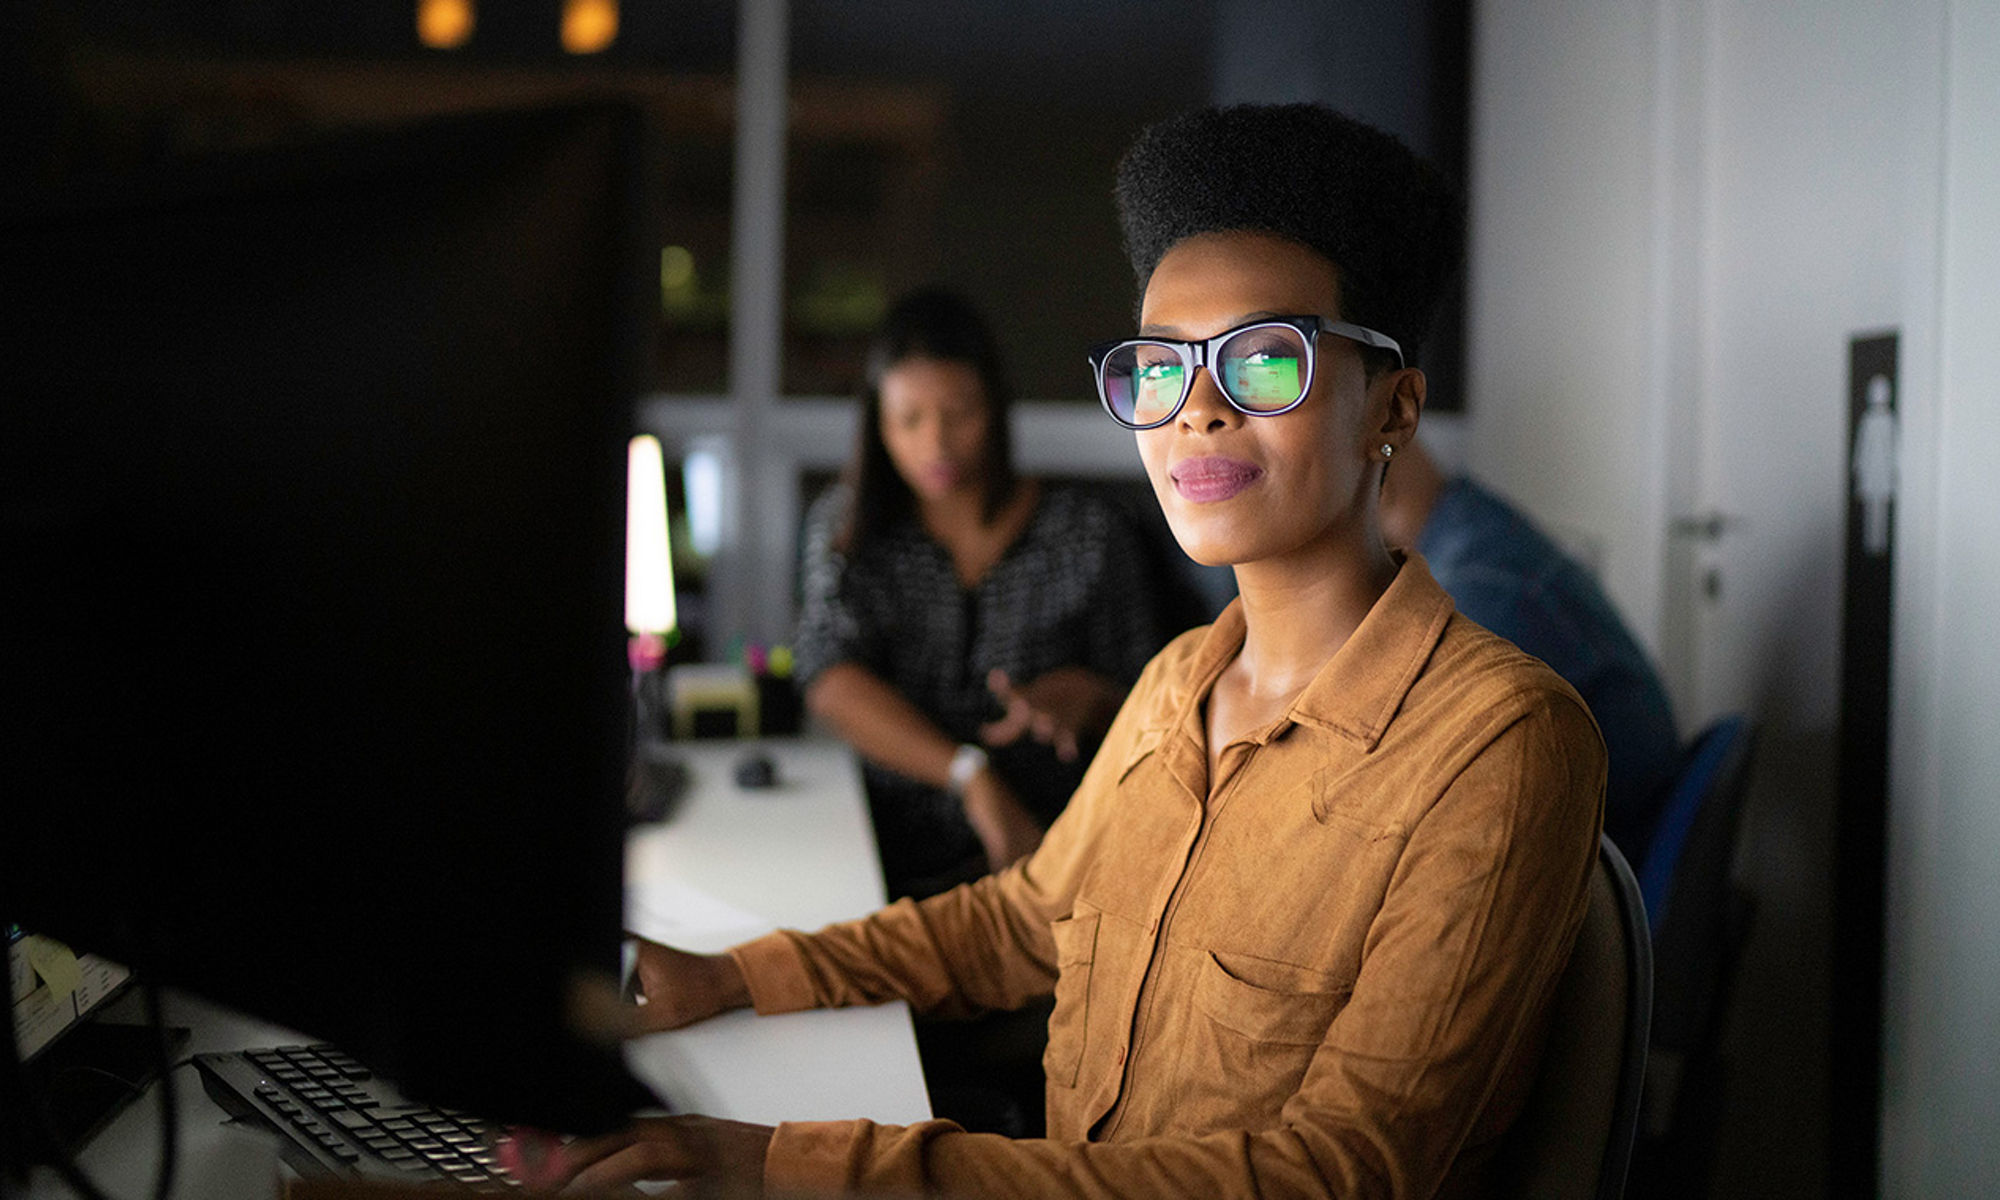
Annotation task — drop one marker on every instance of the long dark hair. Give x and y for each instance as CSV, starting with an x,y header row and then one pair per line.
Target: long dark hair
x,y
933,323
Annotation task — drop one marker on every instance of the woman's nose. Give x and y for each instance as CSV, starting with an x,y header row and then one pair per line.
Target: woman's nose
x,y
926,436
1206,407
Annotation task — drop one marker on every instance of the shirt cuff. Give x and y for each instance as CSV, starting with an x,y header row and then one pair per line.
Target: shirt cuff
x,y
810,1158
829,1158
776,974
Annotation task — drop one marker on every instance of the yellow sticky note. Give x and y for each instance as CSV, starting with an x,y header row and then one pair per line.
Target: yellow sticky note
x,y
55,963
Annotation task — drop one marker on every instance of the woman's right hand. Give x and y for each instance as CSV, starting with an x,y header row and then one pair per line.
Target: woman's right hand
x,y
677,988
1006,829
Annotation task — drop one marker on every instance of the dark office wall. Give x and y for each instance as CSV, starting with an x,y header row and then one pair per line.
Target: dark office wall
x,y
1402,67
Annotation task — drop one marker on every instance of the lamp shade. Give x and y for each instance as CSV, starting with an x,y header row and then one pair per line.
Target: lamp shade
x,y
649,574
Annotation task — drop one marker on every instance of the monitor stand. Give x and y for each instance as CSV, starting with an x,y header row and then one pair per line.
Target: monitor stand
x,y
658,779
91,1073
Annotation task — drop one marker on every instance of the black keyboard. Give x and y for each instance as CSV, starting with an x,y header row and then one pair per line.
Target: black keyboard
x,y
335,1116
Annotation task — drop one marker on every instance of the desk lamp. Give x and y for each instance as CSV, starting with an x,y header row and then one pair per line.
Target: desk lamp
x,y
656,778
649,577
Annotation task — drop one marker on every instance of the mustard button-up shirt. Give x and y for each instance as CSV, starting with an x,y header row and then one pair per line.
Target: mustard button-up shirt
x,y
1324,972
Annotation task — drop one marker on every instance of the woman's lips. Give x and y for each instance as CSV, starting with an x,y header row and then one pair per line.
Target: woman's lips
x,y
1206,480
940,476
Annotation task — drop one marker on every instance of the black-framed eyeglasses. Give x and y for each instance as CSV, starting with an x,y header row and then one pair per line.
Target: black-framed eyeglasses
x,y
1262,368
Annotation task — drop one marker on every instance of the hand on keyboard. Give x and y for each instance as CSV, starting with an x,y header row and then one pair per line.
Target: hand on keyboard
x,y
729,1153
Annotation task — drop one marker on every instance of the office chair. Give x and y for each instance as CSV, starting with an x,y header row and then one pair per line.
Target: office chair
x,y
1573,1138
1694,837
1700,920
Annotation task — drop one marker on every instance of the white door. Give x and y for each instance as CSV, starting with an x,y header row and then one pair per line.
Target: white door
x,y
1804,141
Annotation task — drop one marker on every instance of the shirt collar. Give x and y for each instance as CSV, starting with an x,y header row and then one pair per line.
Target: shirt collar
x,y
1359,690
1362,687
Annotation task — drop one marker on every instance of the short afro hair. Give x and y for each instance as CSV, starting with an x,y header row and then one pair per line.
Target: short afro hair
x,y
1388,221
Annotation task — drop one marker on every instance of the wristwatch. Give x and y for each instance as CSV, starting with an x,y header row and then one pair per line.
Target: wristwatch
x,y
969,761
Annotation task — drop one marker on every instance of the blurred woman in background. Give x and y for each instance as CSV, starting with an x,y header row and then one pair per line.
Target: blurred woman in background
x,y
970,630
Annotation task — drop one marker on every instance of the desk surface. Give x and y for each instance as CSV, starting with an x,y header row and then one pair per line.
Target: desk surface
x,y
731,864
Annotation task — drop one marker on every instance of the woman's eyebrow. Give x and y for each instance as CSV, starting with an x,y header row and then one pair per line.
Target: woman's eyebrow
x,y
1173,332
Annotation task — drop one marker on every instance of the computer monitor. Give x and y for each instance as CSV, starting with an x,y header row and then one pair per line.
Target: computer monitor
x,y
311,510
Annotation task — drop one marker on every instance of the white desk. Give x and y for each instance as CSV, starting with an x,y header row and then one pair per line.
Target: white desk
x,y
731,864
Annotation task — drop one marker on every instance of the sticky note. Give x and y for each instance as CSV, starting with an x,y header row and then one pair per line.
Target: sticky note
x,y
55,963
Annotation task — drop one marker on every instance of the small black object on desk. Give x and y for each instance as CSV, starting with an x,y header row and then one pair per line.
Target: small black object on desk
x,y
756,770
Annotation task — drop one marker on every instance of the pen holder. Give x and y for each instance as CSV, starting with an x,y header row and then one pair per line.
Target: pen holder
x,y
714,700
779,705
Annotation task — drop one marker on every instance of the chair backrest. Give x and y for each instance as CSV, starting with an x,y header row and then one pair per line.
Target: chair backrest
x,y
1700,918
1573,1138
1693,845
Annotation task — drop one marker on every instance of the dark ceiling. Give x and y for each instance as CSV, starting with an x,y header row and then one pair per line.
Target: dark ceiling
x,y
1131,49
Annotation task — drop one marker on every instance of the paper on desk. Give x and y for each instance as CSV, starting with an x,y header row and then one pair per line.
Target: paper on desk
x,y
683,915
55,963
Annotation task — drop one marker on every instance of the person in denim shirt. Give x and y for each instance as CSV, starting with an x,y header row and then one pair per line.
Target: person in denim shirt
x,y
1508,575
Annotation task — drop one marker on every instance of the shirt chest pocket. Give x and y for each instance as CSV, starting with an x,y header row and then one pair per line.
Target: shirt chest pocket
x,y
1294,1012
1253,1034
1076,953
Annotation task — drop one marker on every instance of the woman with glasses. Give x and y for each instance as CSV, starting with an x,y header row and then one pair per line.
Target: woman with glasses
x,y
971,631
1303,918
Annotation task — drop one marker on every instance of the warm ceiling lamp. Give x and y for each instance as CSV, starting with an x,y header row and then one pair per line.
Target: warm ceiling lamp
x,y
588,26
444,24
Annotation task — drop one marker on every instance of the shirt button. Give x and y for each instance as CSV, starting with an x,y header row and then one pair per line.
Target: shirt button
x,y
1152,926
1120,1060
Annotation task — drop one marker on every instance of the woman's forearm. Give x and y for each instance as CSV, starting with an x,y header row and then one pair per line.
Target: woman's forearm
x,y
881,723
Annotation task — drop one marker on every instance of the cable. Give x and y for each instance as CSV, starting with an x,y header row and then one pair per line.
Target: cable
x,y
62,1159
170,1131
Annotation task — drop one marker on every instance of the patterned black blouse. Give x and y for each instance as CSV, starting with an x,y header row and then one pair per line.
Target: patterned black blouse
x,y
1074,589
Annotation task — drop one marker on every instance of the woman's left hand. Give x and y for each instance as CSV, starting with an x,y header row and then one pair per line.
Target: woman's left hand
x,y
729,1153
1063,708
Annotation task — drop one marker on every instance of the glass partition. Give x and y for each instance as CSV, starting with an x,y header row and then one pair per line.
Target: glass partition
x,y
934,144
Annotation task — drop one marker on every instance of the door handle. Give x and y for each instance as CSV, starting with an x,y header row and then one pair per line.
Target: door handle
x,y
1705,527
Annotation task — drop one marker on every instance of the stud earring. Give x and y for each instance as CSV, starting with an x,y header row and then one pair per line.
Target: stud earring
x,y
1388,452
